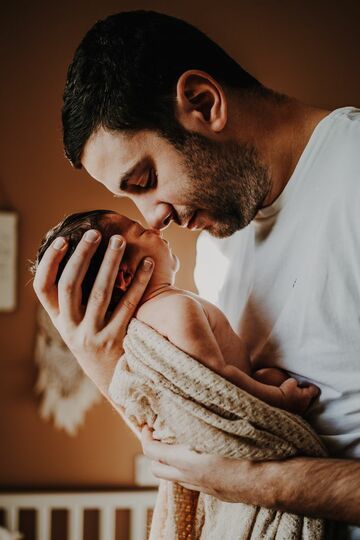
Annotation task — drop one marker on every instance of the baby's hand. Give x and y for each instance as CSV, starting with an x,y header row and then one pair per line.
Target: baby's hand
x,y
297,399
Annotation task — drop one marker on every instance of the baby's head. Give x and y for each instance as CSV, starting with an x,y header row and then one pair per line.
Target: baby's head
x,y
140,243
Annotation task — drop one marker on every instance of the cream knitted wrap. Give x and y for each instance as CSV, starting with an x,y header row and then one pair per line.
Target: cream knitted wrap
x,y
156,383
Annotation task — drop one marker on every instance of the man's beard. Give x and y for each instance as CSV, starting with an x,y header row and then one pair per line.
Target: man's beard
x,y
226,179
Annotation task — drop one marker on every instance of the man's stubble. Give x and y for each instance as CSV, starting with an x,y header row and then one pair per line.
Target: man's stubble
x,y
226,179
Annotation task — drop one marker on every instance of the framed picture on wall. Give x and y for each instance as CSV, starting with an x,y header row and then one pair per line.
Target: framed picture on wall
x,y
8,259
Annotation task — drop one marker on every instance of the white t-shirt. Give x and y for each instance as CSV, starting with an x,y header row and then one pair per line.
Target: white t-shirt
x,y
292,283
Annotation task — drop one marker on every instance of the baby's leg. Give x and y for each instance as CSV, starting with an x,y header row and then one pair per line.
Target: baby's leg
x,y
285,393
272,376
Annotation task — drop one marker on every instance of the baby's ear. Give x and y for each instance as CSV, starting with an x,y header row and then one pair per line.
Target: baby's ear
x,y
124,278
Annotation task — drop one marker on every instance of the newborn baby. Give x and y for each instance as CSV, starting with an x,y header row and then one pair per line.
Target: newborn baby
x,y
191,323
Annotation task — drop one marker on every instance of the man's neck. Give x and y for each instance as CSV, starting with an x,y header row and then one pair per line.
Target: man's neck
x,y
280,130
288,145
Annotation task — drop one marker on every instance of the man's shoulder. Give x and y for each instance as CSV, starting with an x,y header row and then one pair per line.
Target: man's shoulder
x,y
335,163
345,131
344,115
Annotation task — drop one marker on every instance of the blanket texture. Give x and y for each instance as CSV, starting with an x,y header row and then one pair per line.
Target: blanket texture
x,y
156,383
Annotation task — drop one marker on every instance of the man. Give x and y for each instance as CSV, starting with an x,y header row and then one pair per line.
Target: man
x,y
154,110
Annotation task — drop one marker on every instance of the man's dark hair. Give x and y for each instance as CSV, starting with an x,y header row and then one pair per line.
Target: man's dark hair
x,y
72,228
124,74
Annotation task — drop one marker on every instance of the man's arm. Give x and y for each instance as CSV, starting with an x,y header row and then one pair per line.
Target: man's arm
x,y
319,487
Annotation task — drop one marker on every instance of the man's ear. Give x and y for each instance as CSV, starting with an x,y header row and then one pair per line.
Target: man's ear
x,y
201,102
124,277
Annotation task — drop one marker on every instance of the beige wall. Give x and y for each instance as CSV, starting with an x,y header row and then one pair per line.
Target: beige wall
x,y
306,49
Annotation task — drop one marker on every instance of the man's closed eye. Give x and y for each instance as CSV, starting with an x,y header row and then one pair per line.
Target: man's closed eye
x,y
144,183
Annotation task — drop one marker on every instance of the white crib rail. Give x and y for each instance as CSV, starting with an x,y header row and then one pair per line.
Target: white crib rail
x,y
137,502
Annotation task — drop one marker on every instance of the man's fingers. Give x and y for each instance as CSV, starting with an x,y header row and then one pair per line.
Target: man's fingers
x,y
146,437
102,289
192,487
73,275
160,470
128,304
154,450
44,281
177,463
175,455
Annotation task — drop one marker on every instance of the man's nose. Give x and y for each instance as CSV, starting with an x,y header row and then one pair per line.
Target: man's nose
x,y
160,217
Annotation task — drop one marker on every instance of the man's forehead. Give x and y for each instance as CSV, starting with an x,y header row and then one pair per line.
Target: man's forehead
x,y
112,152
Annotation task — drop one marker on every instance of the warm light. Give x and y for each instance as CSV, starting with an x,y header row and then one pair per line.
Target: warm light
x,y
211,267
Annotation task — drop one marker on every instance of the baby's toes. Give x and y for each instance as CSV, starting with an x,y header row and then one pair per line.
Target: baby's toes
x,y
312,391
289,384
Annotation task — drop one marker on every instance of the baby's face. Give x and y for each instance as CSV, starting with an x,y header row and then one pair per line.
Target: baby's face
x,y
141,242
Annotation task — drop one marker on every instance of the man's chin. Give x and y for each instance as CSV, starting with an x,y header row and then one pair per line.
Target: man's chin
x,y
222,230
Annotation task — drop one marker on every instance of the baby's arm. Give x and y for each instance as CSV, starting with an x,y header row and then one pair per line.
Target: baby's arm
x,y
271,375
183,321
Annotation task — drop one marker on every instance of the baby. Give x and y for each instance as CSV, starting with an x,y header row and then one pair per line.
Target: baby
x,y
191,323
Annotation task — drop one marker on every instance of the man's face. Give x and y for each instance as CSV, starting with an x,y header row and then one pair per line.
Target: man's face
x,y
199,184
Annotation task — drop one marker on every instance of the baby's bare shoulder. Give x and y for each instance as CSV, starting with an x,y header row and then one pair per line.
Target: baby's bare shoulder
x,y
168,311
180,300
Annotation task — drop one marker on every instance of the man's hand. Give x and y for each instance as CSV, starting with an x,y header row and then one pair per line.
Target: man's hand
x,y
319,487
207,473
93,337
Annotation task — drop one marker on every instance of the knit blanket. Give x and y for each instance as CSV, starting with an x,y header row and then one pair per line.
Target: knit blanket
x,y
185,402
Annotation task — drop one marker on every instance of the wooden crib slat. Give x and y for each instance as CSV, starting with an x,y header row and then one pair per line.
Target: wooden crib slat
x,y
12,518
138,518
137,502
76,523
107,523
43,523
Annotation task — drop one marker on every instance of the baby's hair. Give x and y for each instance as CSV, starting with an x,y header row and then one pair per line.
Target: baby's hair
x,y
72,228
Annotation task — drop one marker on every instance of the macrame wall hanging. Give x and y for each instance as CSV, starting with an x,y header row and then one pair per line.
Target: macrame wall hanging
x,y
66,392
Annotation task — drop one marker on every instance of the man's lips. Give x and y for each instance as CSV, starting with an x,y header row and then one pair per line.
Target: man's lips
x,y
192,222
